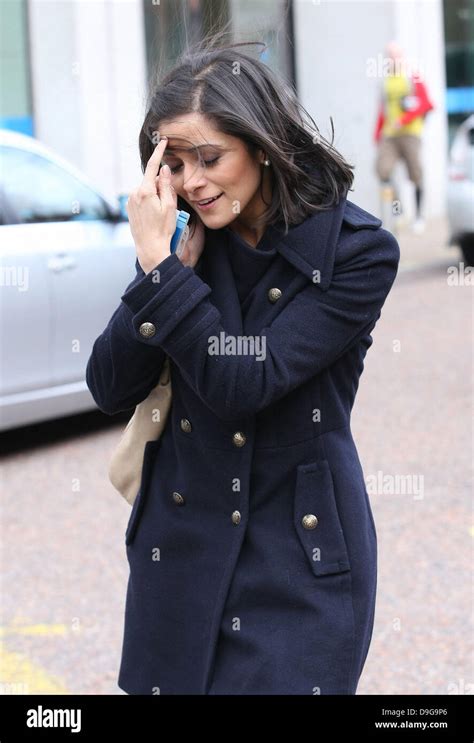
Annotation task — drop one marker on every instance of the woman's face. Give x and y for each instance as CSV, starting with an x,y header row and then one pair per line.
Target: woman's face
x,y
225,169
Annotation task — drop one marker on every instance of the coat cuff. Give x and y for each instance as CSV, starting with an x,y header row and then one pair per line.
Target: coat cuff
x,y
169,299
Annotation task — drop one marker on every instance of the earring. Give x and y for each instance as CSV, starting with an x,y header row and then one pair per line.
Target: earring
x,y
266,162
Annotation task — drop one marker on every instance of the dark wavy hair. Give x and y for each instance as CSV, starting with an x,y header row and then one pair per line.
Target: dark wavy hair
x,y
260,109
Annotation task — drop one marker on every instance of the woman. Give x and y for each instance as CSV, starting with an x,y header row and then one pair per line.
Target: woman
x,y
251,543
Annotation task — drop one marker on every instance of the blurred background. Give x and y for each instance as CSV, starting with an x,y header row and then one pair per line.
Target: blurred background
x,y
74,76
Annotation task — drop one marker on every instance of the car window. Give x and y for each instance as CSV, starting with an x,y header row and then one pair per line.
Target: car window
x,y
37,190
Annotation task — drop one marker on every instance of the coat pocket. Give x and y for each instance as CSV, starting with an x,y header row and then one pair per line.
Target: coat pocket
x,y
316,519
149,455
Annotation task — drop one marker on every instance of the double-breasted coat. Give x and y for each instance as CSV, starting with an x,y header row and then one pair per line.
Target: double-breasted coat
x,y
251,543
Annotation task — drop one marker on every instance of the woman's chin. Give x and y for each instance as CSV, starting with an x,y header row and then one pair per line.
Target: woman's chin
x,y
216,220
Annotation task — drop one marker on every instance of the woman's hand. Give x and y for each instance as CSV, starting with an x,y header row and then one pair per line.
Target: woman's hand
x,y
191,252
151,211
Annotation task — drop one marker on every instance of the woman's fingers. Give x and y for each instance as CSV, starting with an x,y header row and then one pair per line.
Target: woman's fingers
x,y
167,193
153,166
152,210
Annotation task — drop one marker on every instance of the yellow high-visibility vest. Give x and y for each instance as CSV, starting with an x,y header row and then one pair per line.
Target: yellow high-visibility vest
x,y
395,87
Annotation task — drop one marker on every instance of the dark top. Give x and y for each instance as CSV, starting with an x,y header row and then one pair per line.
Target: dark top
x,y
250,263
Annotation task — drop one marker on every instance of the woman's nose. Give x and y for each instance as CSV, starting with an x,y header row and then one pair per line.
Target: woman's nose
x,y
194,177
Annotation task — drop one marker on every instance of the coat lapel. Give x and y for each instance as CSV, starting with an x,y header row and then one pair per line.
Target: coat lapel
x,y
311,246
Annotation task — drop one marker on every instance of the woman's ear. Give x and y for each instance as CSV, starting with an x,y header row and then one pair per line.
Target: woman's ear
x,y
257,153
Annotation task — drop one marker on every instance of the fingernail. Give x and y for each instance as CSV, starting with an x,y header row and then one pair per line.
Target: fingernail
x,y
165,169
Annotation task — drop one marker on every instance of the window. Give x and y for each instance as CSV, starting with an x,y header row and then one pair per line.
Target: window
x,y
169,25
459,36
15,83
35,189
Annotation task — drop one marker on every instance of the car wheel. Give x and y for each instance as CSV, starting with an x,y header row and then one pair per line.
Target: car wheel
x,y
467,247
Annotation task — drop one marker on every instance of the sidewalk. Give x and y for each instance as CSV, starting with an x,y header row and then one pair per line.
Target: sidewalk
x,y
429,249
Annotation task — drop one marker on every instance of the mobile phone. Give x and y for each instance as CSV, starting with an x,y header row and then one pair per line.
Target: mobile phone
x,y
181,233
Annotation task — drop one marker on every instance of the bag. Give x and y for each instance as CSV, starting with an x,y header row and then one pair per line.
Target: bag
x,y
126,463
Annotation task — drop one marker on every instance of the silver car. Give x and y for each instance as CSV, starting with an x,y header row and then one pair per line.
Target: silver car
x,y
67,255
461,190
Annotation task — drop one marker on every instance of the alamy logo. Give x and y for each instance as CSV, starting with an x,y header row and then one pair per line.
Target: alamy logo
x,y
240,345
54,718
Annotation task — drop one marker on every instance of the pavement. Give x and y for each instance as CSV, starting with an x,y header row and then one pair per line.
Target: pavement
x,y
427,250
413,420
64,567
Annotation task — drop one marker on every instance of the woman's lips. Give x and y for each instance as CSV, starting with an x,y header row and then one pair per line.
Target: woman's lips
x,y
209,205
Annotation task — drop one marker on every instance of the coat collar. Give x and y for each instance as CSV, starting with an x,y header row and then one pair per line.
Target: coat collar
x,y
311,245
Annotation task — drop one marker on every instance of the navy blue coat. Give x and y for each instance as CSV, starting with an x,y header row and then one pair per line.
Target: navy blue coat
x,y
251,543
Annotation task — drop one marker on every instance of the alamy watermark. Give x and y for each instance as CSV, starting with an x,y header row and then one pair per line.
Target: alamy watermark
x,y
460,275
386,484
15,276
382,66
43,717
237,345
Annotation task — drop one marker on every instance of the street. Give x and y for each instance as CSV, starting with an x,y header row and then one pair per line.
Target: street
x,y
64,563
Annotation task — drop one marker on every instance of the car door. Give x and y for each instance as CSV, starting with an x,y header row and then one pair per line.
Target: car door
x,y
91,261
88,273
80,258
25,308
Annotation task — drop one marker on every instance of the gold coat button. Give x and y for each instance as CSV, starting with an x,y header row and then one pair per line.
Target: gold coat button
x,y
309,521
178,499
236,517
274,294
186,425
147,329
239,438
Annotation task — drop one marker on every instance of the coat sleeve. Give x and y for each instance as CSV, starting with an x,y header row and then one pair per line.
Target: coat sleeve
x,y
121,370
379,123
310,333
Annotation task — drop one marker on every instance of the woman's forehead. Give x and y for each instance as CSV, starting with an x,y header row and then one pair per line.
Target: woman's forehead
x,y
180,143
193,133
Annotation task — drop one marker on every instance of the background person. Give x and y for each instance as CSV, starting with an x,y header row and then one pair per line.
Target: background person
x,y
404,104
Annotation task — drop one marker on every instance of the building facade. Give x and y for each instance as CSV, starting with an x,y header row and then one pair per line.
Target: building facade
x,y
75,73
